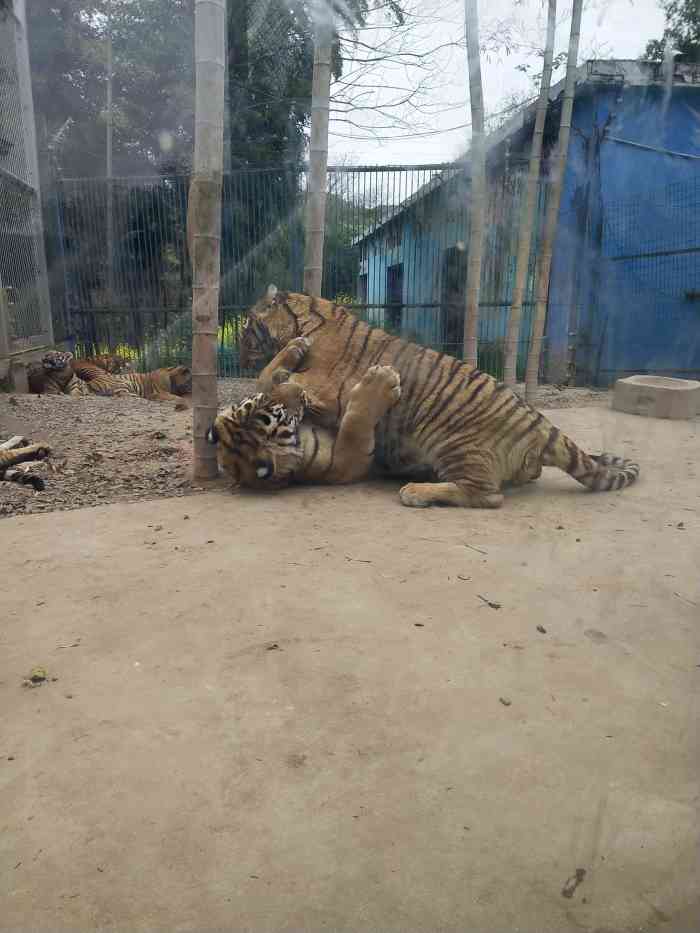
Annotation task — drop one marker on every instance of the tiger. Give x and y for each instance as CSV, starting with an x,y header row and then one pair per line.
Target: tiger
x,y
55,376
10,458
61,373
112,363
264,442
98,380
470,434
160,385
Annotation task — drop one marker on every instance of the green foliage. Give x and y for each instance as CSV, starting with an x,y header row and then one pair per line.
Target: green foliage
x,y
270,63
682,31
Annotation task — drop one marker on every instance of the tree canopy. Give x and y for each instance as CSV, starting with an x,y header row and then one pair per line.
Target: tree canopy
x,y
682,31
270,62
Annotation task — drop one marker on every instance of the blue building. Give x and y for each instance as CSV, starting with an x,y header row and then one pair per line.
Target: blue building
x,y
625,285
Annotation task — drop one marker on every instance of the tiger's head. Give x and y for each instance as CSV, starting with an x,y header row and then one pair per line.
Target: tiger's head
x,y
180,380
56,360
270,325
258,439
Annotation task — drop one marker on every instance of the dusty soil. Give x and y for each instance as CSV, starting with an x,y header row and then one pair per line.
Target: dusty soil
x,y
104,450
318,710
114,450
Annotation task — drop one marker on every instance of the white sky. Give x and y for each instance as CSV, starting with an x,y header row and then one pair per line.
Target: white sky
x,y
610,29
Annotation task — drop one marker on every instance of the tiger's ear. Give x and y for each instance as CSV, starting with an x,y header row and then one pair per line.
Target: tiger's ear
x,y
271,293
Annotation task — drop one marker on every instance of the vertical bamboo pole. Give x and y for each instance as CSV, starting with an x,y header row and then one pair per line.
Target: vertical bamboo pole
x,y
527,219
318,158
478,183
110,171
544,260
204,222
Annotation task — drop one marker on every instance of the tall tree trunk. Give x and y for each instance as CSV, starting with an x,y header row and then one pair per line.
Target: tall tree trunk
x,y
527,219
558,170
478,183
204,222
318,162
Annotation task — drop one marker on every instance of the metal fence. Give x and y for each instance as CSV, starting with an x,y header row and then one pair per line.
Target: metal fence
x,y
395,251
648,294
25,314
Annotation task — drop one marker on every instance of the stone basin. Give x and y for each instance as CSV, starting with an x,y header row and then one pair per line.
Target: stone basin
x,y
657,397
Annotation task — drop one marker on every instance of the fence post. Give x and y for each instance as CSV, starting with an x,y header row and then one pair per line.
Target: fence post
x,y
318,160
24,82
4,326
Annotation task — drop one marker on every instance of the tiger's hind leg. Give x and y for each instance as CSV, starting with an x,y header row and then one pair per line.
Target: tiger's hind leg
x,y
468,481
369,400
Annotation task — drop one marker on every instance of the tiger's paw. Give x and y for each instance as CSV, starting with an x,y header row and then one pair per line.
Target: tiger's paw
x,y
413,496
301,344
378,390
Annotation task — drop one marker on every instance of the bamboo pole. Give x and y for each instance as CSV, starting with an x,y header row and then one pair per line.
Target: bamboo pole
x,y
318,157
204,223
478,183
527,220
544,259
110,170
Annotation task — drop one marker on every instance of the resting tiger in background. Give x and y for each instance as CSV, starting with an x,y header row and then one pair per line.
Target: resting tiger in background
x,y
470,434
160,385
265,442
10,459
59,373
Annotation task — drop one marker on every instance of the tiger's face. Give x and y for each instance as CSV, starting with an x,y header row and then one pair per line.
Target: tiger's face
x,y
269,327
180,380
258,440
56,360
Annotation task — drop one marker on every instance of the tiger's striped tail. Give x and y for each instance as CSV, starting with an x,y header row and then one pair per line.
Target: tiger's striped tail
x,y
597,472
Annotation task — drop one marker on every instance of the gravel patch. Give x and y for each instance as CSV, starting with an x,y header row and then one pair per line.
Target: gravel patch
x,y
124,449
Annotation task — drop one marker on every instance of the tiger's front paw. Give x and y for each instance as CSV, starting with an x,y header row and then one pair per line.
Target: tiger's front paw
x,y
301,344
413,496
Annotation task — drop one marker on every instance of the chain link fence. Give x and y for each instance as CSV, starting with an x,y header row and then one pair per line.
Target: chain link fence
x,y
396,248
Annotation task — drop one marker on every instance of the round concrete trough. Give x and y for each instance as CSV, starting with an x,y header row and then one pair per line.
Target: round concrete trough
x,y
657,396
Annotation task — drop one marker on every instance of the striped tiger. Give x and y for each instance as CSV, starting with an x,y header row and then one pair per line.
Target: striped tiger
x,y
55,376
10,458
98,380
112,363
471,434
158,385
264,442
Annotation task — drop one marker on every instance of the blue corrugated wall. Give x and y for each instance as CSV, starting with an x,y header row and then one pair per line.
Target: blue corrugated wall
x,y
637,313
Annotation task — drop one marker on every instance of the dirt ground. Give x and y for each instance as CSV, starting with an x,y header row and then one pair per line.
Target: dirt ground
x,y
319,710
104,449
116,450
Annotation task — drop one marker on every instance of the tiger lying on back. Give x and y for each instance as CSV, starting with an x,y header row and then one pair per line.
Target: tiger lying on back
x,y
10,459
265,443
472,434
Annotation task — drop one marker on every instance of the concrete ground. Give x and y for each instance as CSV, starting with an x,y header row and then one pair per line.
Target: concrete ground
x,y
319,710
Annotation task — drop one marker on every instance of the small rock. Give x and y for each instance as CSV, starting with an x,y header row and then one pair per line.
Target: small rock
x,y
542,629
505,701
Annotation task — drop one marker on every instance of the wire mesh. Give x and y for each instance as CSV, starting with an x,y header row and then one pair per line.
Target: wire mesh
x,y
396,246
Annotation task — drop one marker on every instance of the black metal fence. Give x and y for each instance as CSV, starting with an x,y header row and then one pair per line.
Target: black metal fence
x,y
396,248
